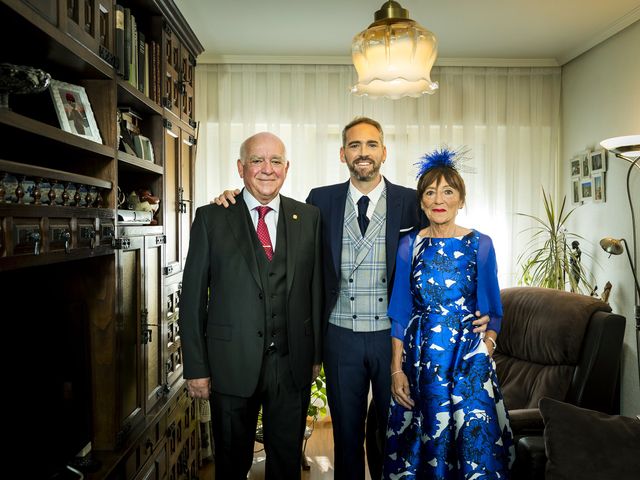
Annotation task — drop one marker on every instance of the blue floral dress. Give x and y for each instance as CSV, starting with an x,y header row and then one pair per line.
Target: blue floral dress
x,y
458,428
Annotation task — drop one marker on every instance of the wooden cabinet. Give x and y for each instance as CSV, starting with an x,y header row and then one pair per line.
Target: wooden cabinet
x,y
173,365
179,157
105,287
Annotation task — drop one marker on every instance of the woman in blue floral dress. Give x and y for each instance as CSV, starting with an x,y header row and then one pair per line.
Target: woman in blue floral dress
x,y
447,418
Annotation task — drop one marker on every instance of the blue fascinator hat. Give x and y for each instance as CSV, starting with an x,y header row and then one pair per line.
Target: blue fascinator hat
x,y
443,157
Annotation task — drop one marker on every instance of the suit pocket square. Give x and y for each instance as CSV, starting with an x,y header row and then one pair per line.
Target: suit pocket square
x,y
404,230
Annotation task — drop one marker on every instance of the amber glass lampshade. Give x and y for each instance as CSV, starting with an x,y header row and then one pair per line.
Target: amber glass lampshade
x,y
394,56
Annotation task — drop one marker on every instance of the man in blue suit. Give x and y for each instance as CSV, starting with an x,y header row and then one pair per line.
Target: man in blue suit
x,y
362,220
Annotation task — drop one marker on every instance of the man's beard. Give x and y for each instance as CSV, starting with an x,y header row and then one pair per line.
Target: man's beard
x,y
364,177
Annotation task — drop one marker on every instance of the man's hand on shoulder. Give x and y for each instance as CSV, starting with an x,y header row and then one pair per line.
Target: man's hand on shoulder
x,y
481,323
226,198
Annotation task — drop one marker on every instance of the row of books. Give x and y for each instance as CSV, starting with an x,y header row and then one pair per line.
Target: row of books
x,y
131,140
138,59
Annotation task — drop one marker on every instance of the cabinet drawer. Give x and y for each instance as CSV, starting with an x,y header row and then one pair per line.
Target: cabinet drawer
x,y
145,448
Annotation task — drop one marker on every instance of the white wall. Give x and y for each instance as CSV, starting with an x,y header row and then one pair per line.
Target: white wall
x,y
601,99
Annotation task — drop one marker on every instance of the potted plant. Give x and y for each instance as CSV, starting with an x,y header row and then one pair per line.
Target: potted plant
x,y
318,403
552,257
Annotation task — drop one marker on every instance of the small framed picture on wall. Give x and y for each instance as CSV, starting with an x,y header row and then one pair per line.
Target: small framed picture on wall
x,y
599,189
575,167
585,165
598,161
586,190
575,191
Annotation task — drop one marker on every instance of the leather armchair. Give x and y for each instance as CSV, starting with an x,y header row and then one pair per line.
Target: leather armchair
x,y
559,345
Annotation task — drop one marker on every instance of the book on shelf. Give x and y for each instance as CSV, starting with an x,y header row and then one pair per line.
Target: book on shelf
x,y
146,70
120,38
127,44
140,60
158,78
133,62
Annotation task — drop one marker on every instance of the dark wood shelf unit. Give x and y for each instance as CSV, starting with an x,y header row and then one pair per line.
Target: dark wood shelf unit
x,y
24,261
130,96
56,211
109,292
51,137
128,162
59,175
46,47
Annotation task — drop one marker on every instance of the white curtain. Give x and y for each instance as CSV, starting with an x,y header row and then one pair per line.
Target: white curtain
x,y
507,117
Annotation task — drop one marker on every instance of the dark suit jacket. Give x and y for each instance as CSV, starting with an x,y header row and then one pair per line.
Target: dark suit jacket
x,y
403,213
223,334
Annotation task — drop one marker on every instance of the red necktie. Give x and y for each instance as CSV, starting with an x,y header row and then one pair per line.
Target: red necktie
x,y
263,232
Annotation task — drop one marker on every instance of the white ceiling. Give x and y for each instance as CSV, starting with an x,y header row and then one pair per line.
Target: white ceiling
x,y
469,32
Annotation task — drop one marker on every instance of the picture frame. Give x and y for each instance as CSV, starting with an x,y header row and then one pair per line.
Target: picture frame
x,y
599,188
576,167
585,165
598,161
586,190
576,198
74,110
143,147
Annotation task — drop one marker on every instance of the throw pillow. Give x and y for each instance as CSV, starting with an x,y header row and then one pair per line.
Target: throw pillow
x,y
589,445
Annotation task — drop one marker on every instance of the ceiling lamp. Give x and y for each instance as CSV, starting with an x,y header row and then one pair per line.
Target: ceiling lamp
x,y
394,56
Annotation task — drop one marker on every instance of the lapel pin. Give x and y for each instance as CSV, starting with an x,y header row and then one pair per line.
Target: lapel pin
x,y
295,216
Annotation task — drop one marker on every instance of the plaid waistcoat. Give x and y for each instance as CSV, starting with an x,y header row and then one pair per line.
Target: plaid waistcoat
x,y
362,301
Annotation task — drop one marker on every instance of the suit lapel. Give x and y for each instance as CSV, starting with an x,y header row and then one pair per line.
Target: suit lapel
x,y
394,217
292,221
336,228
239,225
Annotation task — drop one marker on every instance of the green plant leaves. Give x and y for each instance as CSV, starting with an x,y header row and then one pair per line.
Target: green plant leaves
x,y
548,259
318,402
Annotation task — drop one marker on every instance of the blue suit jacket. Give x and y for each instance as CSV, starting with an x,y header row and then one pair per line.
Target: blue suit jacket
x,y
403,213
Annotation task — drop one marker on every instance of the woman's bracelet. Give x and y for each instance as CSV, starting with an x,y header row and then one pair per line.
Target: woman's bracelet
x,y
495,344
397,371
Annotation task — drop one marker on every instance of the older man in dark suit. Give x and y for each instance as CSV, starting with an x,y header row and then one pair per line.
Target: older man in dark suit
x,y
250,315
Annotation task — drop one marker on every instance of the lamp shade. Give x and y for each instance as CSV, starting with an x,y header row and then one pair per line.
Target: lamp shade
x,y
626,146
612,246
394,56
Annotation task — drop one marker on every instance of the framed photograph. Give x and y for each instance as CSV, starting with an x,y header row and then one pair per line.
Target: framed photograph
x,y
586,190
575,191
598,161
143,147
599,190
74,110
585,165
576,165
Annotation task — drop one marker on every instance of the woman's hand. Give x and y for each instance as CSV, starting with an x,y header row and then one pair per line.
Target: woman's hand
x,y
400,389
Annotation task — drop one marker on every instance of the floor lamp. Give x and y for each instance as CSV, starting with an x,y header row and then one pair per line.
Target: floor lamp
x,y
627,148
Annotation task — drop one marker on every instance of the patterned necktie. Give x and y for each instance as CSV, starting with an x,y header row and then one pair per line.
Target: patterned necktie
x,y
263,232
363,220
